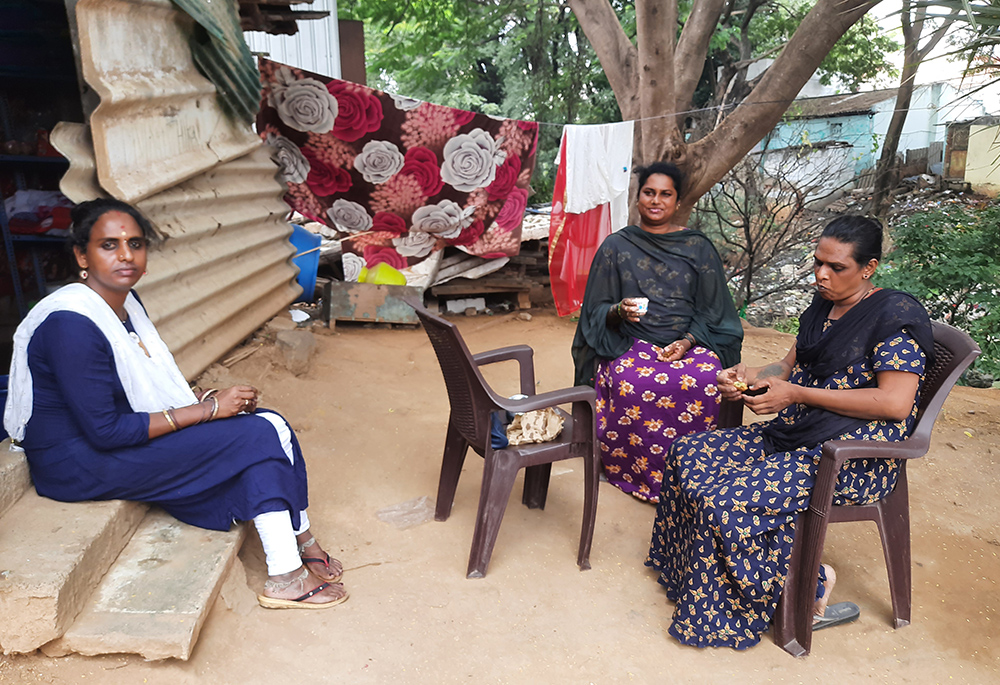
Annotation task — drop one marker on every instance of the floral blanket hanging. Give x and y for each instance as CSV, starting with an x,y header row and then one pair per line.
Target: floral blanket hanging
x,y
398,177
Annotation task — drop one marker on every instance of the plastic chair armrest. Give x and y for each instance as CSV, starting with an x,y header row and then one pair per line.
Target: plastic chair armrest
x,y
836,452
578,393
844,450
524,356
522,353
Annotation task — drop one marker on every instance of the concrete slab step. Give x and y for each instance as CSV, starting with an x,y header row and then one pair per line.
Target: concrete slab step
x,y
52,555
14,477
156,597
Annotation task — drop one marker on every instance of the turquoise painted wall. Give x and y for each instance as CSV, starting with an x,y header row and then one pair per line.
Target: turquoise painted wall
x,y
857,130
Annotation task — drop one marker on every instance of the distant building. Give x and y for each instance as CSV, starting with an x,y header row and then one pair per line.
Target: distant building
x,y
972,154
861,120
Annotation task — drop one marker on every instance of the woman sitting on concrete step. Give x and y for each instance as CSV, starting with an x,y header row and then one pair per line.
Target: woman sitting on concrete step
x,y
102,412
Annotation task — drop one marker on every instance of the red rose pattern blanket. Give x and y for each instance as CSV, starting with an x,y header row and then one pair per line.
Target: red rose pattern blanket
x,y
403,178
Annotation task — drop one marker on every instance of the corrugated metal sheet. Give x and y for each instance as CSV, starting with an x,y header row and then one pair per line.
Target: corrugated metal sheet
x,y
841,104
80,182
225,267
159,121
315,48
223,57
156,140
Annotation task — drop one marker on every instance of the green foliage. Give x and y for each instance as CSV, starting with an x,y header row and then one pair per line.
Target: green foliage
x,y
529,59
523,59
789,325
857,58
947,260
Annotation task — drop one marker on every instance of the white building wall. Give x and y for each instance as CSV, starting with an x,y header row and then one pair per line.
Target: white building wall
x,y
816,173
931,107
315,48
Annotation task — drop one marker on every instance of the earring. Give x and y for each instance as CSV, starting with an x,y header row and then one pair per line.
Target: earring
x,y
865,276
144,273
84,274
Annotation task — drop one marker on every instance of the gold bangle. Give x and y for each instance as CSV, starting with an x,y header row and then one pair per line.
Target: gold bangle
x,y
208,393
170,420
215,407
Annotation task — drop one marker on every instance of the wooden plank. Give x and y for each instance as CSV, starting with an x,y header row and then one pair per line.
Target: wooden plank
x,y
474,288
369,302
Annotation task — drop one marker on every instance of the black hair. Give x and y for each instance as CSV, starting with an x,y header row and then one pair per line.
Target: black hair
x,y
864,233
86,214
666,168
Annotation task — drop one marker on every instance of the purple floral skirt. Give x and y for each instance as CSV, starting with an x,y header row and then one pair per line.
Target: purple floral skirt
x,y
643,405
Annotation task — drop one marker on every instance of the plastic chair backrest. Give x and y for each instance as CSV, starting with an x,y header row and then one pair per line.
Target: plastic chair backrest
x,y
954,350
468,393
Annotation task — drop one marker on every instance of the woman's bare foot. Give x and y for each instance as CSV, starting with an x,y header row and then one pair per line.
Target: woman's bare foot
x,y
819,609
322,565
300,587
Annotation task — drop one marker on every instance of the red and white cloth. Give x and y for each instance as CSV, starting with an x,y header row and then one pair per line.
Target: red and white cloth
x,y
589,202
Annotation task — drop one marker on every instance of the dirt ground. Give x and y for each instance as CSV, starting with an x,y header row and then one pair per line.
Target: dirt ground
x,y
371,416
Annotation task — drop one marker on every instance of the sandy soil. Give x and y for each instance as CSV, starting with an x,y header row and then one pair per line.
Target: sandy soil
x,y
371,415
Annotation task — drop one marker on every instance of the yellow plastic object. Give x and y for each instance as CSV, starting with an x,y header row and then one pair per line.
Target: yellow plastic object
x,y
382,274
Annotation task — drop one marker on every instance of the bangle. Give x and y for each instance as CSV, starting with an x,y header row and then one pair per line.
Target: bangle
x,y
618,310
170,420
215,408
208,393
690,339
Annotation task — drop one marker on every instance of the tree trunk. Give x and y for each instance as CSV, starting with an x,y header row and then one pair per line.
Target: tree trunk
x,y
656,26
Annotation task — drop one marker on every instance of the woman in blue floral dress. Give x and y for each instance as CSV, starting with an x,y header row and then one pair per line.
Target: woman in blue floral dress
x,y
725,522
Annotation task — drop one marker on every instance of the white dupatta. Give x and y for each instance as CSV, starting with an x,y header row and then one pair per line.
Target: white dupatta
x,y
151,384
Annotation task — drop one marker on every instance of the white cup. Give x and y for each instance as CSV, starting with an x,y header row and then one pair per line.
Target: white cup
x,y
642,303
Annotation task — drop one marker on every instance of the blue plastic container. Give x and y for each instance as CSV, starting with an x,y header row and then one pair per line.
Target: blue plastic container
x,y
305,241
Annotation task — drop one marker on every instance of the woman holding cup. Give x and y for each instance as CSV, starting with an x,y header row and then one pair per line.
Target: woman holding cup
x,y
656,326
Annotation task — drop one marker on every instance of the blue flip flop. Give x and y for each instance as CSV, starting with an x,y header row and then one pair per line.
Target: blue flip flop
x,y
837,614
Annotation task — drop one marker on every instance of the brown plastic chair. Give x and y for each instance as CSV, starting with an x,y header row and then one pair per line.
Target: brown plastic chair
x,y
792,627
472,403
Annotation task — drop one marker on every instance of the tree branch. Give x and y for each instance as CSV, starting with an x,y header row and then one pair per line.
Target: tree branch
x,y
762,109
619,57
656,27
692,48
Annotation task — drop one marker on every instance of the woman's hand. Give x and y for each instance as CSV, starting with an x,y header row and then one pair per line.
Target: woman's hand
x,y
778,395
673,351
732,381
236,399
631,308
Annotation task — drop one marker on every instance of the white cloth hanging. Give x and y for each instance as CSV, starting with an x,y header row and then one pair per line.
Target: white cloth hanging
x,y
151,384
598,166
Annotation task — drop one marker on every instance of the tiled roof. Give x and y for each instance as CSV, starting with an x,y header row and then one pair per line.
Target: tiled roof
x,y
840,105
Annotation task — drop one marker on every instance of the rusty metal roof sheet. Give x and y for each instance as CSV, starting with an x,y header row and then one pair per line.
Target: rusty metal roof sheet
x,y
839,105
159,121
